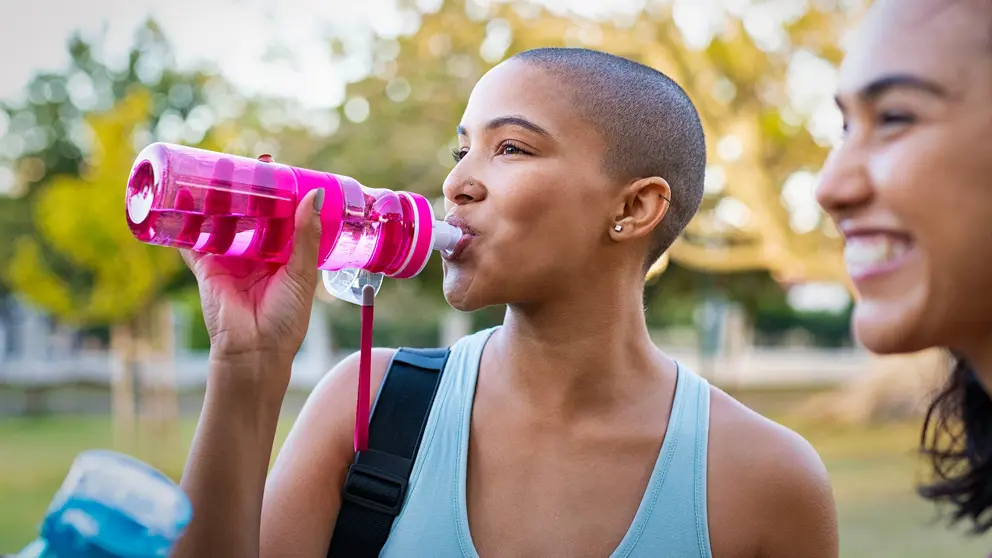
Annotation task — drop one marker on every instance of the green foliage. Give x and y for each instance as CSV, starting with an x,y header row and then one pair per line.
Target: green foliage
x,y
79,132
346,332
48,136
672,298
825,329
80,219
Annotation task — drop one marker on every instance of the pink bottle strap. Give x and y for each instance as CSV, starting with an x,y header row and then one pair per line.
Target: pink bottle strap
x,y
364,371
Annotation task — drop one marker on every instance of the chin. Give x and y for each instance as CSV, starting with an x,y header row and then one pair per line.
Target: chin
x,y
469,291
461,291
885,330
461,303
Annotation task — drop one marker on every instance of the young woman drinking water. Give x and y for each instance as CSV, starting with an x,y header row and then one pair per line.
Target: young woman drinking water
x,y
563,432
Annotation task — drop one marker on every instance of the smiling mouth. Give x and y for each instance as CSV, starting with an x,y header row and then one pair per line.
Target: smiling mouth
x,y
871,255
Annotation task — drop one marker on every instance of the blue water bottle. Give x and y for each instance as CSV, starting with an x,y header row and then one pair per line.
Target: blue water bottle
x,y
112,506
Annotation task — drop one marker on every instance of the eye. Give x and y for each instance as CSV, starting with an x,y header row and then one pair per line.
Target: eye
x,y
510,148
895,118
459,154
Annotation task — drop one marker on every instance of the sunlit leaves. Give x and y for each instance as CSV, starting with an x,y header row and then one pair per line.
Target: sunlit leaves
x,y
82,220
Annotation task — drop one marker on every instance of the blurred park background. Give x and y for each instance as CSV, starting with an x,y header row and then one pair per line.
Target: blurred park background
x,y
101,340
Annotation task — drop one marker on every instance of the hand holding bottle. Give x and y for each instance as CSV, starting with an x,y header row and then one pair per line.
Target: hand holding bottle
x,y
260,309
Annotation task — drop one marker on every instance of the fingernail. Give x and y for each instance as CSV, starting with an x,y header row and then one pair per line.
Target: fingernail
x,y
265,158
318,201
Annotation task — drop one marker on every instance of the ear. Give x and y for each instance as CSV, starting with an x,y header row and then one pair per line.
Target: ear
x,y
645,203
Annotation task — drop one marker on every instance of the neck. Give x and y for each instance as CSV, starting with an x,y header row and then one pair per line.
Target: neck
x,y
979,355
581,352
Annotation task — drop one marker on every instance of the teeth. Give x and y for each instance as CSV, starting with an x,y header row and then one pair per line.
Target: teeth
x,y
865,252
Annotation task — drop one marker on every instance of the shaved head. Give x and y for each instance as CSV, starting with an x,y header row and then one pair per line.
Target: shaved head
x,y
647,121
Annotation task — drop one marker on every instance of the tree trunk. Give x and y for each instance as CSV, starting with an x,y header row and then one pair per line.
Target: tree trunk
x,y
156,399
161,408
122,383
145,403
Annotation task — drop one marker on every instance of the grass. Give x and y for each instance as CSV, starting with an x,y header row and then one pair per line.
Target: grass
x,y
873,470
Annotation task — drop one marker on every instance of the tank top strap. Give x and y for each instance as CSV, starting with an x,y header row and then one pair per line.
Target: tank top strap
x,y
672,514
698,390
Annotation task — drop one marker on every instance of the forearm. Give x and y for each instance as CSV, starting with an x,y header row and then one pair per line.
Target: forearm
x,y
226,469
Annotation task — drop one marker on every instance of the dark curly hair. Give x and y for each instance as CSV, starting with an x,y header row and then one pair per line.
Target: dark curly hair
x,y
957,438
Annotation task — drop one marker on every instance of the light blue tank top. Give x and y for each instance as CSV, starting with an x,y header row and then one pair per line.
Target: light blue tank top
x,y
670,521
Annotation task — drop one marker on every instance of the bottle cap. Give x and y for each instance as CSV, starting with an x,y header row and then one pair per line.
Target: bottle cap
x,y
446,236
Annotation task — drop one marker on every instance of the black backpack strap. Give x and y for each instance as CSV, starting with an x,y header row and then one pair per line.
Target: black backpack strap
x,y
375,487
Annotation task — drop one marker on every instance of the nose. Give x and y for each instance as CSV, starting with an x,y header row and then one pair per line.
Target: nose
x,y
461,188
845,183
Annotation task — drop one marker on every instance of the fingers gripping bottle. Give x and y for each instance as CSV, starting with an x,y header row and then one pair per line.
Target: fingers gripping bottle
x,y
112,506
237,206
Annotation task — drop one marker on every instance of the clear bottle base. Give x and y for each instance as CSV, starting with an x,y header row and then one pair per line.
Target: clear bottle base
x,y
347,284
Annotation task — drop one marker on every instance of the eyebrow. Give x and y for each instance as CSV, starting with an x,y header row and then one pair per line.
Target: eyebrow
x,y
503,121
876,88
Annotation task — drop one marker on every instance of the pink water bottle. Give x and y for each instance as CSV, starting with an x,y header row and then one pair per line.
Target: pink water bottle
x,y
237,206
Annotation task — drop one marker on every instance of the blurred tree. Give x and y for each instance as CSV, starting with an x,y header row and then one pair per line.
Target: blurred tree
x,y
79,218
72,143
47,135
396,129
759,140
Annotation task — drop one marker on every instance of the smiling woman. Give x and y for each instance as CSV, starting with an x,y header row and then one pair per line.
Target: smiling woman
x,y
909,189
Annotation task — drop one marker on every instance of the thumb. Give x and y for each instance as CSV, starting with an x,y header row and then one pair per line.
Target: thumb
x,y
302,263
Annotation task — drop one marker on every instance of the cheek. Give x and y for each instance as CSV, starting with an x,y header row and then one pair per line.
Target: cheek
x,y
529,236
548,214
936,188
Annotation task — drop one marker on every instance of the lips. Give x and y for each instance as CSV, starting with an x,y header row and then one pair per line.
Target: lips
x,y
461,223
468,235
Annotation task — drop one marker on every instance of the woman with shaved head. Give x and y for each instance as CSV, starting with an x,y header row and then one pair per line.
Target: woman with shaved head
x,y
563,432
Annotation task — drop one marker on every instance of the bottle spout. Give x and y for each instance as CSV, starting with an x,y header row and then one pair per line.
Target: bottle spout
x,y
446,236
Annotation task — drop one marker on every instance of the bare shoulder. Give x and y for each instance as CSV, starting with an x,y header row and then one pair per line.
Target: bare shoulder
x,y
760,447
302,492
329,412
342,380
770,474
